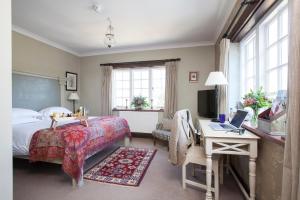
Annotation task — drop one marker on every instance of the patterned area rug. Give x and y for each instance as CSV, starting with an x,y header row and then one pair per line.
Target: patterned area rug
x,y
126,166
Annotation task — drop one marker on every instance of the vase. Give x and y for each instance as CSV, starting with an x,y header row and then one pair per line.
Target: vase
x,y
138,107
254,118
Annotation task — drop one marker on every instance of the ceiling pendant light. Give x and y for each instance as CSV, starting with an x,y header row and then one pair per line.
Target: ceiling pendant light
x,y
109,39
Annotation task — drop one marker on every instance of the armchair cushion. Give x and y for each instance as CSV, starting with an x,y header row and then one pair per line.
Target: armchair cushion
x,y
165,124
161,134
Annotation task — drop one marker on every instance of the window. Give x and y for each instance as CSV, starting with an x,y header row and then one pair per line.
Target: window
x,y
276,53
249,58
264,54
146,82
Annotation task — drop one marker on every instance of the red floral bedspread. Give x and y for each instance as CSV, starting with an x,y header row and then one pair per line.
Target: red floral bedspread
x,y
72,143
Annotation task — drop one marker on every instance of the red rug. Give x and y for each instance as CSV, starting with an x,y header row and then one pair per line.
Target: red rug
x,y
126,166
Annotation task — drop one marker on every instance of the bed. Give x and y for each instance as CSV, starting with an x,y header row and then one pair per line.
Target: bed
x,y
71,142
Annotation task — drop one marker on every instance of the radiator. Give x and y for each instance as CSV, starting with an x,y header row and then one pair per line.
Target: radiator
x,y
139,121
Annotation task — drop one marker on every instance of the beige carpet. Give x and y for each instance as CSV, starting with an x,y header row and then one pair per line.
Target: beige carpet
x,y
41,181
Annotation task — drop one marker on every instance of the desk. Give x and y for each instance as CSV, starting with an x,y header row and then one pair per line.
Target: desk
x,y
222,142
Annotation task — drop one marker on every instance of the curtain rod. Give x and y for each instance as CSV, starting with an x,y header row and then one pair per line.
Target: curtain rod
x,y
244,3
147,62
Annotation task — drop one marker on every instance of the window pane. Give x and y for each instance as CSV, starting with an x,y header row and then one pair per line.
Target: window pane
x,y
137,92
126,93
118,75
156,74
272,82
145,74
145,93
145,83
250,84
136,84
250,49
156,83
272,57
119,84
250,68
285,23
272,32
126,75
119,101
284,51
284,75
126,84
137,74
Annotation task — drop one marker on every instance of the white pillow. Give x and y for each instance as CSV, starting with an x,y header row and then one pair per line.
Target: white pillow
x,y
47,112
24,120
22,112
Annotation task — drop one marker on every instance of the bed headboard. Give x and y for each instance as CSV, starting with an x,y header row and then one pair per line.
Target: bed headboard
x,y
34,92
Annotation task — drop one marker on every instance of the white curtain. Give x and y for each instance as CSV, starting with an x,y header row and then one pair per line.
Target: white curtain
x,y
106,91
224,67
291,165
170,90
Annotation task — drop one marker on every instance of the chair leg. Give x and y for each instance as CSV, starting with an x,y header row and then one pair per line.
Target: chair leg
x,y
183,175
221,170
216,182
227,163
154,141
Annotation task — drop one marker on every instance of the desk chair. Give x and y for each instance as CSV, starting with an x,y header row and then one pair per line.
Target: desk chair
x,y
196,155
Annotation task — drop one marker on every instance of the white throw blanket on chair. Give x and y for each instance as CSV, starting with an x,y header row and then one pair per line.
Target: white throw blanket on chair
x,y
182,133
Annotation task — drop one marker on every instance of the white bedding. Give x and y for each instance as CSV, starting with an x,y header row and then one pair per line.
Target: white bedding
x,y
22,134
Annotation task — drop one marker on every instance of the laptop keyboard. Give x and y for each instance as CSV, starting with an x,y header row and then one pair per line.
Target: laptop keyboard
x,y
225,126
217,126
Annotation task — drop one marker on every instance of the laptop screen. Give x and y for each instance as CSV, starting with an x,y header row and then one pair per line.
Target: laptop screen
x,y
238,118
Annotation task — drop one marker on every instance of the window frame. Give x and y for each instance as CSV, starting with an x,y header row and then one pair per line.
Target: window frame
x,y
278,43
260,32
131,86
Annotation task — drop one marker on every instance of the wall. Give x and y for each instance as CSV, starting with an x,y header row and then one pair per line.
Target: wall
x,y
269,166
5,105
200,59
32,56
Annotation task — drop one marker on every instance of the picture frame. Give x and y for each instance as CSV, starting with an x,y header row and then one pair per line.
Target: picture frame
x,y
71,81
193,77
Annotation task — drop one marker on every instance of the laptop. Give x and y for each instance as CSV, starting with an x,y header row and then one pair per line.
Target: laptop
x,y
235,123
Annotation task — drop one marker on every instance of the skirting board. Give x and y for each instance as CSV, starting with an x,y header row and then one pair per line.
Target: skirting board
x,y
141,135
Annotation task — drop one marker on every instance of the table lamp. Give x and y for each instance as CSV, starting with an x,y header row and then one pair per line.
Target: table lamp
x,y
73,97
215,79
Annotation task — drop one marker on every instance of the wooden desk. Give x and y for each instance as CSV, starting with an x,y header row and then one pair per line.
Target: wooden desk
x,y
222,142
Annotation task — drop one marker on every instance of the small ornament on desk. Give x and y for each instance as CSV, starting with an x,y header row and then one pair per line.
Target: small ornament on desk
x,y
126,103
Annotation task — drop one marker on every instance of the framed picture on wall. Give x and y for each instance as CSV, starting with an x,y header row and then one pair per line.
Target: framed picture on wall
x,y
193,77
71,79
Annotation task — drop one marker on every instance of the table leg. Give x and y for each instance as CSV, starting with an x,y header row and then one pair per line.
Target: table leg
x,y
208,177
252,175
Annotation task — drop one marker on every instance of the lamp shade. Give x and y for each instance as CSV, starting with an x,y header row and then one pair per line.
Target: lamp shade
x,y
73,96
216,78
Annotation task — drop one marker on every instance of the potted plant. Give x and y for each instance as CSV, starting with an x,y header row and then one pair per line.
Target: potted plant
x,y
139,102
256,100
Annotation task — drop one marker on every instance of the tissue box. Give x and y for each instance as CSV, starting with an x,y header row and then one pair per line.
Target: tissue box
x,y
275,125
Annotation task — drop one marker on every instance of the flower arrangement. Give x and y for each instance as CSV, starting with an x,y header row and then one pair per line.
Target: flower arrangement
x,y
256,100
139,102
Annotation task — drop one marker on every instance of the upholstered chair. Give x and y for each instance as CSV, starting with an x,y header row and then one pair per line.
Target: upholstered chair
x,y
162,131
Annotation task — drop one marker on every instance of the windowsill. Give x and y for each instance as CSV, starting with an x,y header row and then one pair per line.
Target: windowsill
x,y
142,110
275,139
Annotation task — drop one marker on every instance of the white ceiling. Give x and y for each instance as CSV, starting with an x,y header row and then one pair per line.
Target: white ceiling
x,y
72,25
